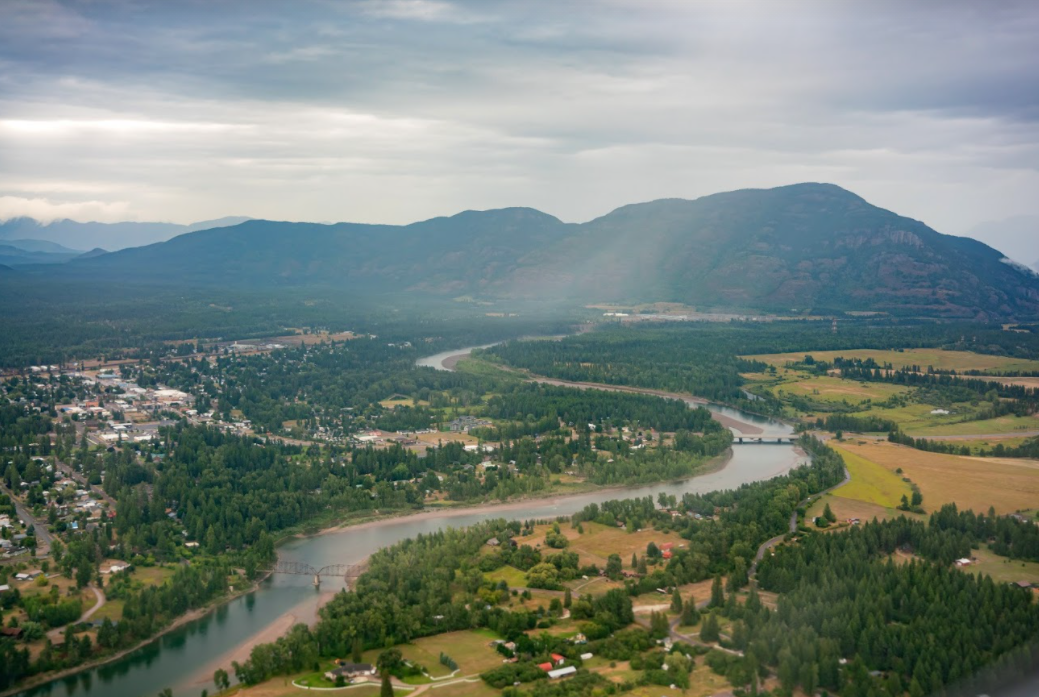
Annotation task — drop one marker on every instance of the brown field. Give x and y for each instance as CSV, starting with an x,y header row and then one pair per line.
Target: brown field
x,y
937,358
845,508
969,482
432,439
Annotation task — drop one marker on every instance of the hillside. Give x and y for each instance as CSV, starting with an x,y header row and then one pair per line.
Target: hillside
x,y
70,233
807,246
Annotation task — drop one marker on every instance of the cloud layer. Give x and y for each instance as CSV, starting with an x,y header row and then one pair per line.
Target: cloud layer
x,y
398,110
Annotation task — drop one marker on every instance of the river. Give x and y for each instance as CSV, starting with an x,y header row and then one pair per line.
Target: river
x,y
185,658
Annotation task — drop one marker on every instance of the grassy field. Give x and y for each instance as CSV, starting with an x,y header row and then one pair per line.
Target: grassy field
x,y
936,358
471,650
510,574
969,482
826,388
846,508
1001,569
1004,424
871,483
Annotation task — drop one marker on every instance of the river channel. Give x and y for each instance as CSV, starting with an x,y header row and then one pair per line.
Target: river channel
x,y
185,658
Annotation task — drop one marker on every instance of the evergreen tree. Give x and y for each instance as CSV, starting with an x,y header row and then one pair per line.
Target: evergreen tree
x,y
676,601
717,593
387,687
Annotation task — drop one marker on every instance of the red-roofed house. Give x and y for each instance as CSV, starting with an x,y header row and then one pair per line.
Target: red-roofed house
x,y
559,660
545,666
667,545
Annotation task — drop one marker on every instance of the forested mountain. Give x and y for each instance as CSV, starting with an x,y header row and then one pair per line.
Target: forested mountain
x,y
807,246
70,233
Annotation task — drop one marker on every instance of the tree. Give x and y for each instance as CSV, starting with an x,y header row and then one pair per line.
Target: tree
x,y
389,661
221,679
613,566
567,600
634,561
829,514
357,650
717,593
710,630
387,687
676,601
690,615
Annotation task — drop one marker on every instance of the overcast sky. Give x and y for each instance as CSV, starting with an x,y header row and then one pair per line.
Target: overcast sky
x,y
400,110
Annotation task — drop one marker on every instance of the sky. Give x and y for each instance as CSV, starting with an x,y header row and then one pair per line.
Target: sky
x,y
394,111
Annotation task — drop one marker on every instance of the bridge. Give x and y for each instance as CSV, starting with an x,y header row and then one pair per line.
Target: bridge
x,y
764,440
299,568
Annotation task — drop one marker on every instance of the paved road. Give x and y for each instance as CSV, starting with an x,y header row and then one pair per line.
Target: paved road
x,y
43,537
769,544
69,471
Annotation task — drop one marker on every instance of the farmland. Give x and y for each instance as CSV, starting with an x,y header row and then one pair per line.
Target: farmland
x,y
969,482
871,483
936,358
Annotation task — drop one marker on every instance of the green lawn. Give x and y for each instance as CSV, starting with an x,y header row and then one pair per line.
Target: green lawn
x,y
510,574
1002,569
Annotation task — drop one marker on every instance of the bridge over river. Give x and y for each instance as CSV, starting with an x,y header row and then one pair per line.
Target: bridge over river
x,y
764,440
300,568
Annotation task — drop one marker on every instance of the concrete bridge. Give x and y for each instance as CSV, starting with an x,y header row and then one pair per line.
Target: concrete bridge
x,y
299,568
764,440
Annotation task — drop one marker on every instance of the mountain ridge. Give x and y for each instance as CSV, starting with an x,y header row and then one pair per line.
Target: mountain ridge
x,y
797,247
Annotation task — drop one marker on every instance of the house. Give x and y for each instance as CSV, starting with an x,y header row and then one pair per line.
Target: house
x,y
28,575
349,671
13,632
666,554
4,588
558,659
1024,584
587,656
547,667
114,567
561,672
963,562
493,542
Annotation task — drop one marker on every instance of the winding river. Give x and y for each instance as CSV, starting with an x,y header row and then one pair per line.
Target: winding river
x,y
184,659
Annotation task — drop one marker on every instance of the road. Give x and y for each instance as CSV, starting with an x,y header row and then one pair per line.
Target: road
x,y
769,544
68,471
43,537
57,635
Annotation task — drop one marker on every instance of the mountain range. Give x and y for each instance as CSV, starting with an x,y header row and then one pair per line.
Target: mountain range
x,y
69,234
801,247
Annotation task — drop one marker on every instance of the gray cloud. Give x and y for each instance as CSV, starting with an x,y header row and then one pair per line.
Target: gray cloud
x,y
397,110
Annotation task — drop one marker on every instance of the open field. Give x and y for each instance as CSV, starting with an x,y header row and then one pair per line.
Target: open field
x,y
826,388
871,483
936,358
1004,424
510,574
969,482
917,420
846,508
470,650
1001,569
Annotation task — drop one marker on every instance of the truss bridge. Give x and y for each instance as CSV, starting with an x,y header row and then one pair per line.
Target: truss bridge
x,y
300,568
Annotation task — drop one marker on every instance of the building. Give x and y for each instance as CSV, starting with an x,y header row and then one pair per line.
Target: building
x,y
557,659
561,672
349,671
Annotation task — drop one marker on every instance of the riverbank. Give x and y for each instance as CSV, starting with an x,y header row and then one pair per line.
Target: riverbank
x,y
186,618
